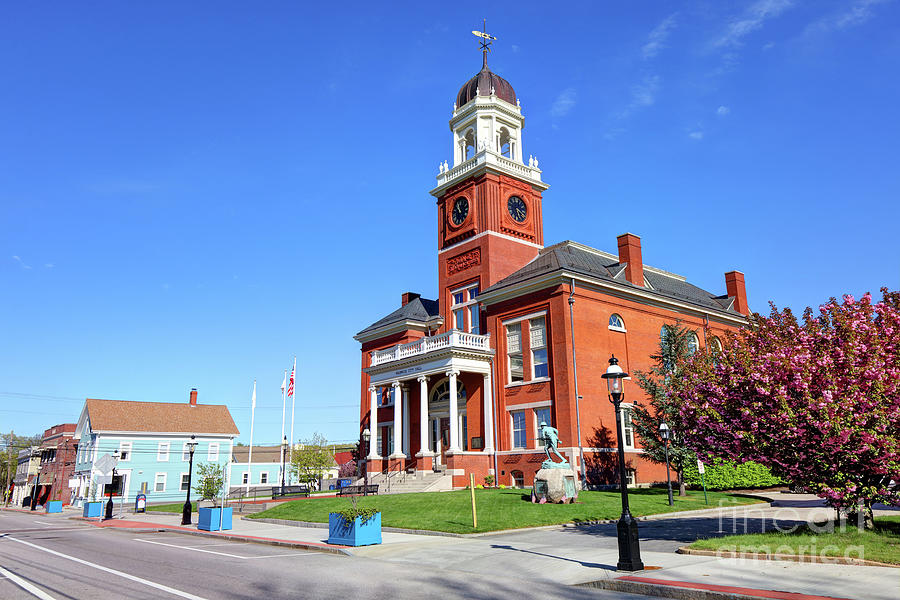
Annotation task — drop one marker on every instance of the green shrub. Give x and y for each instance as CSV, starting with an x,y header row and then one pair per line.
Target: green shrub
x,y
728,475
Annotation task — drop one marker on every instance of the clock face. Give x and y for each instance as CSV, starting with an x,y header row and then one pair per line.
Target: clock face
x,y
460,211
517,209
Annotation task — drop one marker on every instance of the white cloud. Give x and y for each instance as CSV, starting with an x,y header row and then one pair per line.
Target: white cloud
x,y
515,47
656,41
768,45
857,13
696,135
722,111
564,103
752,19
642,95
18,259
49,265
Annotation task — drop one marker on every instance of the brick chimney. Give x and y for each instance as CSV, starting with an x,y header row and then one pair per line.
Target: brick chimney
x,y
193,396
630,253
734,287
408,297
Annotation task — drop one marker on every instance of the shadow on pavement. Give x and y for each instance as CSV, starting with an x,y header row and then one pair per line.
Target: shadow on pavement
x,y
580,562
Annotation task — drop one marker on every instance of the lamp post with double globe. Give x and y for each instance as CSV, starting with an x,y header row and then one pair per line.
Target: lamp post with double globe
x,y
665,434
627,527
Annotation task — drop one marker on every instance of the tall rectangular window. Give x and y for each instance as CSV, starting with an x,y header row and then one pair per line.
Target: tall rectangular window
x,y
464,308
514,352
185,481
627,428
518,428
539,365
185,452
212,454
245,478
264,477
162,452
160,483
541,415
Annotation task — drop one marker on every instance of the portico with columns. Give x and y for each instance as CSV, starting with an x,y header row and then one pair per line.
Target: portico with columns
x,y
432,401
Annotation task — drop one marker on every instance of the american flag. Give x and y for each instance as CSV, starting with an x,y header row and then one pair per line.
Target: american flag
x,y
290,391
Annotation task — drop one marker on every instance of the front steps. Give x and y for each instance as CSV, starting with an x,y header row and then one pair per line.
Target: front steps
x,y
400,482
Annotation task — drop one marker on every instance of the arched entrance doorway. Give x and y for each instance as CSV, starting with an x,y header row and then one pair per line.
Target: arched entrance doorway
x,y
439,419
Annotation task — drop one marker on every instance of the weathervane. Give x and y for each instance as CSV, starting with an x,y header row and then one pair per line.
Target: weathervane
x,y
485,41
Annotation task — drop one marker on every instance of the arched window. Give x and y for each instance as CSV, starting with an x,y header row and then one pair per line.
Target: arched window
x,y
616,323
518,479
469,145
505,145
693,343
441,393
716,344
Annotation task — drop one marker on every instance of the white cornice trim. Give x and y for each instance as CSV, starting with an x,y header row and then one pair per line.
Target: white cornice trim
x,y
493,233
397,327
488,160
526,406
615,289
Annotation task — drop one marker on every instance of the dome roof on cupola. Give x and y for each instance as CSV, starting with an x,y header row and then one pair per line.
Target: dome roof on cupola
x,y
482,84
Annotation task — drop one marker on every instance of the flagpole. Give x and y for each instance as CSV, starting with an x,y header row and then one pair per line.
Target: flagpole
x,y
283,410
250,457
293,403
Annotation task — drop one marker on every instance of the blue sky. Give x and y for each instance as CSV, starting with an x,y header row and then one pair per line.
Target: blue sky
x,y
193,193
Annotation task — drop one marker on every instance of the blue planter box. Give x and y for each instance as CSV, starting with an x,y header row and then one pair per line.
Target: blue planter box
x,y
209,518
54,507
357,533
92,509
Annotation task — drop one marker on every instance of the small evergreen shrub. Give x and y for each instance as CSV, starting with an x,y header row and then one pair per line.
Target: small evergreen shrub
x,y
729,475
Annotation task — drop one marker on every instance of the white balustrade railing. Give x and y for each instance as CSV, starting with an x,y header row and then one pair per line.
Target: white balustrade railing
x,y
492,158
451,339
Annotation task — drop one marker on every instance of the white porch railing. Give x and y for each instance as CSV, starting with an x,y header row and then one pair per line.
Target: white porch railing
x,y
451,339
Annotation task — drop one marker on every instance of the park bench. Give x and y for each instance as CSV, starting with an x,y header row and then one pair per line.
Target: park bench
x,y
290,490
358,490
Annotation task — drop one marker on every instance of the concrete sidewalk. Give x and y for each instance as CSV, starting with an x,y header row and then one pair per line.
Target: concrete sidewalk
x,y
587,555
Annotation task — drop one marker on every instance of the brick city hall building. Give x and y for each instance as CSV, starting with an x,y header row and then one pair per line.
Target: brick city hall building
x,y
459,384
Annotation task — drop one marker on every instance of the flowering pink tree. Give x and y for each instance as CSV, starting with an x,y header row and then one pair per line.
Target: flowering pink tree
x,y
818,402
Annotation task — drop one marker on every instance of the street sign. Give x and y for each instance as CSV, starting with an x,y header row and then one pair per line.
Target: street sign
x,y
700,467
105,464
104,479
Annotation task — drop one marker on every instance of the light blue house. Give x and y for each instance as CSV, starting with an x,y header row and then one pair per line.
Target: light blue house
x,y
151,440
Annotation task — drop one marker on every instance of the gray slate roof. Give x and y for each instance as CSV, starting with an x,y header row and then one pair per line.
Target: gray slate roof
x,y
573,257
419,309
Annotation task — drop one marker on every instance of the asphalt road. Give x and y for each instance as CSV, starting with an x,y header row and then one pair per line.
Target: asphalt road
x,y
62,559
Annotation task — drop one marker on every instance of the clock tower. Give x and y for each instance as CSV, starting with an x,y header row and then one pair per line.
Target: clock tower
x,y
488,201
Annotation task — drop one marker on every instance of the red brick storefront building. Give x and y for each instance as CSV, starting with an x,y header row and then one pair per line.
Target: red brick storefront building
x,y
58,450
459,384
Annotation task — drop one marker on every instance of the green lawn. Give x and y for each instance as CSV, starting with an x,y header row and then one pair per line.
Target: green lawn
x,y
171,507
497,509
881,545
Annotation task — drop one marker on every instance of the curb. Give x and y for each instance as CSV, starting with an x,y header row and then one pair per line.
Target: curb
x,y
329,549
431,532
836,560
684,590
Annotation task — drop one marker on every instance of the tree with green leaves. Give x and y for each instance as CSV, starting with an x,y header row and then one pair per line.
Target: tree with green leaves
x,y
210,481
676,346
312,459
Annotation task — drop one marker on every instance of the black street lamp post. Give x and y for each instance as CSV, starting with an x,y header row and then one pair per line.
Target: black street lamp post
x,y
665,434
629,545
186,511
366,434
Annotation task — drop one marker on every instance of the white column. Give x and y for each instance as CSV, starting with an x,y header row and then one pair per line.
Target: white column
x,y
424,420
398,425
454,413
488,415
405,395
373,423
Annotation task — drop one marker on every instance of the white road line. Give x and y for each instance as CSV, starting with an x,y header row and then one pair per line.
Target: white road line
x,y
25,585
198,549
44,523
146,582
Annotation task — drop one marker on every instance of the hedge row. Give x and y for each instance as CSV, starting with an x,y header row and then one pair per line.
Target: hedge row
x,y
728,475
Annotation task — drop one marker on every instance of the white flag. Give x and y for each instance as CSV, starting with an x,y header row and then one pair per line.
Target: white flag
x,y
253,401
284,382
